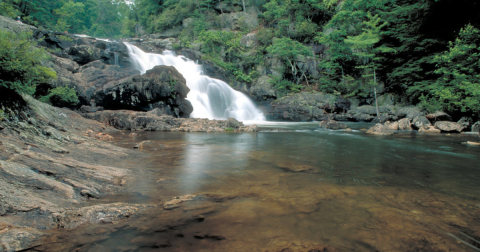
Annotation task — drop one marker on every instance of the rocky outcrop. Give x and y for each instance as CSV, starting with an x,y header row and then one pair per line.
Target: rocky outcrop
x,y
301,107
162,87
381,130
263,89
14,26
449,126
48,166
429,129
332,124
155,120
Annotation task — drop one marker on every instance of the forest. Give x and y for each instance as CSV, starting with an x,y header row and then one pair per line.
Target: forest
x,y
425,52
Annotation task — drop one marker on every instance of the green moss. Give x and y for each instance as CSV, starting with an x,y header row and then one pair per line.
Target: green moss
x,y
229,129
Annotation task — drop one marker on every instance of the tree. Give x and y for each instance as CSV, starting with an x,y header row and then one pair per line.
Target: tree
x,y
458,88
21,63
290,50
363,46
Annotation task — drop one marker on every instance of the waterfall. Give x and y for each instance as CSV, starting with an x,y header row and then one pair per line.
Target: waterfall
x,y
115,54
210,98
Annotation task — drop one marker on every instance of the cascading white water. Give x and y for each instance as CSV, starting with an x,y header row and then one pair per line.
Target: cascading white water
x,y
210,98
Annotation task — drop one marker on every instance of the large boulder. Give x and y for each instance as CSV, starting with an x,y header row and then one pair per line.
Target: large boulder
x,y
84,54
54,40
421,122
162,87
408,112
301,107
404,124
392,125
380,130
332,124
429,129
263,89
449,126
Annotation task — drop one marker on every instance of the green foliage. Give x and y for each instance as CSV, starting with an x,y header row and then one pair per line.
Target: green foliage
x,y
228,129
458,88
61,97
21,63
285,86
2,115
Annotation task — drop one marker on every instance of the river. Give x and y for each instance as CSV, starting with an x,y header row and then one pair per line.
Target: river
x,y
295,187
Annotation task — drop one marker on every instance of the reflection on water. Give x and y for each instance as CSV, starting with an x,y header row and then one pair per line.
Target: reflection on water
x,y
303,189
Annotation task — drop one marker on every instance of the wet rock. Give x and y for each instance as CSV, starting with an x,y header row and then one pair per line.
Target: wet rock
x,y
380,129
429,129
392,125
140,145
421,122
105,213
332,124
472,143
449,126
104,137
19,239
404,124
175,202
212,237
162,87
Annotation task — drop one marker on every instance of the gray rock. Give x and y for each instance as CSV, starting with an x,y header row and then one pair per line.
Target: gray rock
x,y
13,26
421,122
332,124
404,124
476,127
392,125
449,126
249,40
84,54
429,129
439,115
263,89
53,133
380,129
161,87
409,112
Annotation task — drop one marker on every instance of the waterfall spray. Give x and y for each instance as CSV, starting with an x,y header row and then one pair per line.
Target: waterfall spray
x,y
211,98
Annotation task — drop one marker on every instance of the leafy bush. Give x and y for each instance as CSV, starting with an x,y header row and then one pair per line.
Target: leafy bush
x,y
21,63
61,97
284,86
2,115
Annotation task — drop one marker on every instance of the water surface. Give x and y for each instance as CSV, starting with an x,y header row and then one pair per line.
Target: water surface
x,y
295,187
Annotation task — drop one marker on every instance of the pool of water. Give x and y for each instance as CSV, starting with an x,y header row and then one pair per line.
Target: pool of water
x,y
295,187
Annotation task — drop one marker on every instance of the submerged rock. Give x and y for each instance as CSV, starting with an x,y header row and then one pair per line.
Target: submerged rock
x,y
175,202
332,124
380,129
449,126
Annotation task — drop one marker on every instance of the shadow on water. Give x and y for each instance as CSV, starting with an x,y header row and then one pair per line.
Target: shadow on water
x,y
294,187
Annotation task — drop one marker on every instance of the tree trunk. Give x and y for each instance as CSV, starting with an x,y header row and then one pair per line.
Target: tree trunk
x,y
244,9
375,90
